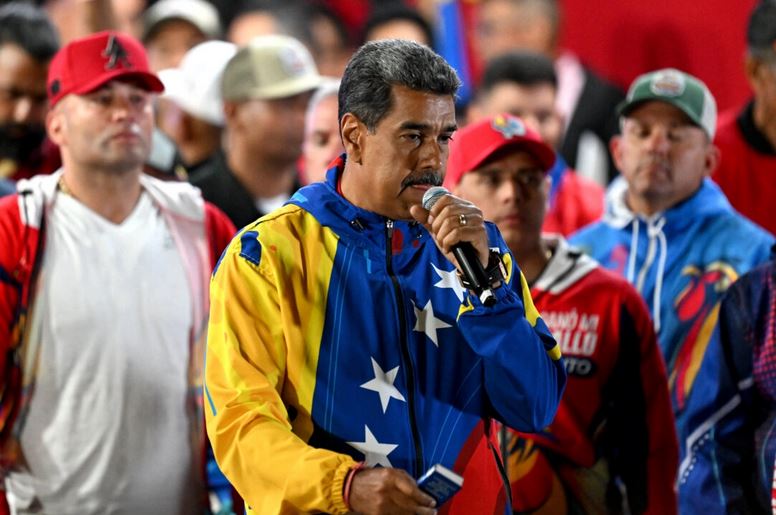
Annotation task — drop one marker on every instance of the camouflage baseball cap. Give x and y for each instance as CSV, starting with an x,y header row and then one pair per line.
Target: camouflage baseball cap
x,y
677,88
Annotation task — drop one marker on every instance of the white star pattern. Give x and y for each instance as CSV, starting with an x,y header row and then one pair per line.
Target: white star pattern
x,y
375,453
427,323
449,280
383,385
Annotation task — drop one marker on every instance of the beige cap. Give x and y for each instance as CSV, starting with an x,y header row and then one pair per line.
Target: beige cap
x,y
269,67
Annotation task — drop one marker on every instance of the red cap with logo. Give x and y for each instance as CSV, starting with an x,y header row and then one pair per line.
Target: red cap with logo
x,y
476,143
85,64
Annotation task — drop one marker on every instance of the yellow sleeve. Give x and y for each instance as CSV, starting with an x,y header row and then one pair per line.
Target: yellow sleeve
x,y
248,391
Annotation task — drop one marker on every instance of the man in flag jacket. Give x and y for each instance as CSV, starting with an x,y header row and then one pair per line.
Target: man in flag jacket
x,y
340,332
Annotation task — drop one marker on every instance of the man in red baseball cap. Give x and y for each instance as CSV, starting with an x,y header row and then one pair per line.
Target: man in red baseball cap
x,y
614,425
101,327
91,62
488,156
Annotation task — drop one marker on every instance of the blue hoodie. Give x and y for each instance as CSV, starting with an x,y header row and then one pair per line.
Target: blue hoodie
x,y
681,261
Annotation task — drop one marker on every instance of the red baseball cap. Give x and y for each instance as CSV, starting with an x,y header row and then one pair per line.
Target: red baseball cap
x,y
473,145
85,64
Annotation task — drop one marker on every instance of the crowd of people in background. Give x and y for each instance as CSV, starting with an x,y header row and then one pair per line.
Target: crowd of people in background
x,y
138,138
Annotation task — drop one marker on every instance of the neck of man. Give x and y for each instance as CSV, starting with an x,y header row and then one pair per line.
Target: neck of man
x,y
111,194
764,121
532,258
348,186
197,151
262,177
355,186
642,206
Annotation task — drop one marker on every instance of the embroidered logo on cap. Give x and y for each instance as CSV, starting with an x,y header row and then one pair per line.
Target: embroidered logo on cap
x,y
508,127
669,83
116,54
292,62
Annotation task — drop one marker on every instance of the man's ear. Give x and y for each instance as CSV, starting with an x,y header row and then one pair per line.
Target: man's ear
x,y
353,132
712,159
230,112
55,124
614,150
457,190
751,69
547,186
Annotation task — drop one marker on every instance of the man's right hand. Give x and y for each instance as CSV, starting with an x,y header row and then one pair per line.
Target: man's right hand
x,y
383,491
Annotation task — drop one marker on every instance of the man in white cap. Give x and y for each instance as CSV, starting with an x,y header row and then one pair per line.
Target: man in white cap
x,y
190,110
667,228
172,27
265,88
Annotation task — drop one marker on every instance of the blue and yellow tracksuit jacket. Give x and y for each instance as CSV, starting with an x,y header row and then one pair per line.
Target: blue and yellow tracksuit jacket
x,y
337,335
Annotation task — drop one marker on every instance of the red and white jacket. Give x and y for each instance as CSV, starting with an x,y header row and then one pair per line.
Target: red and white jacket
x,y
613,439
200,232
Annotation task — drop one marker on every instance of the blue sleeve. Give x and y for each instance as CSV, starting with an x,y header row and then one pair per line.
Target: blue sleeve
x,y
717,449
523,369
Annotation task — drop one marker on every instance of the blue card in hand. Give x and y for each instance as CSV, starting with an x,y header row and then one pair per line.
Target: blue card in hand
x,y
441,483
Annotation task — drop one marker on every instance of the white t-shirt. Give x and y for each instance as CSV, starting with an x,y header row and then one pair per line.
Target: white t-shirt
x,y
268,205
108,430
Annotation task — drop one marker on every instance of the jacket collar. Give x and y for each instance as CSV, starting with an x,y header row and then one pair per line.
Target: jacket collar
x,y
333,210
177,198
567,266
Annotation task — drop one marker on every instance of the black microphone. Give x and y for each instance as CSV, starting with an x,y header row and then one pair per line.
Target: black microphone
x,y
465,254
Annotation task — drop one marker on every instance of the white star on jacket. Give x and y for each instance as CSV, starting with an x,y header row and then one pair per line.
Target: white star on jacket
x,y
375,453
383,385
427,323
450,280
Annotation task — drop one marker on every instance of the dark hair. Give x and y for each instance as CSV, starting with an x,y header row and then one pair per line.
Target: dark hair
x,y
523,68
761,32
377,66
30,28
320,11
394,11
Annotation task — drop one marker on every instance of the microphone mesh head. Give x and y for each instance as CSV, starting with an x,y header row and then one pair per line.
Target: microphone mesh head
x,y
431,196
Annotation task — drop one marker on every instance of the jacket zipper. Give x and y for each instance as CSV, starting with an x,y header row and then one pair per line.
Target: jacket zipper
x,y
405,351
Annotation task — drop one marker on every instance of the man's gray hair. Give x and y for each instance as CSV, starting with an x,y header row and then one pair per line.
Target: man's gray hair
x,y
377,66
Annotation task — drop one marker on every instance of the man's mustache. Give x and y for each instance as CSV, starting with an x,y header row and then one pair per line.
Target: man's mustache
x,y
431,178
655,161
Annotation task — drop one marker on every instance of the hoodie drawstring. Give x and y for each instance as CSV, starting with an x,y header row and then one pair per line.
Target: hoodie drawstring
x,y
661,266
655,234
633,248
